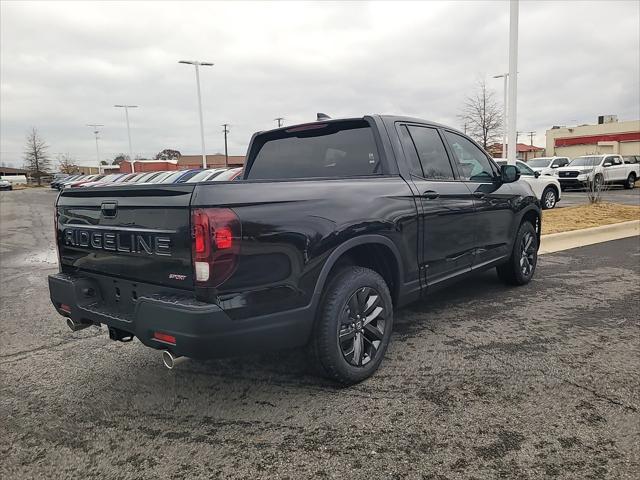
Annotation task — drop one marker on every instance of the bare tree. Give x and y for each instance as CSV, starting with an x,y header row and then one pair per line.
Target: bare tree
x,y
37,161
482,116
67,164
595,186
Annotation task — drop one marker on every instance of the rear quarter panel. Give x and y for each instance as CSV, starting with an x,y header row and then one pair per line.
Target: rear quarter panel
x,y
290,228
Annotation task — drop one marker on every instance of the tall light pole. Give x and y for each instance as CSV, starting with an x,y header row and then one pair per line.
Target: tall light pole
x,y
225,129
504,114
279,120
96,132
197,64
513,81
126,115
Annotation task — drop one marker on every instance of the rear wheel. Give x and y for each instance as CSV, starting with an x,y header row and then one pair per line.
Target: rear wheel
x,y
549,198
354,325
521,266
630,182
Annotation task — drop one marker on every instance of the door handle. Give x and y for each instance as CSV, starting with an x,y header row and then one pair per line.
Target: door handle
x,y
430,195
478,194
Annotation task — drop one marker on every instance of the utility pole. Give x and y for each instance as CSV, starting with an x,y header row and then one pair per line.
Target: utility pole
x,y
96,132
513,82
198,64
226,153
531,135
504,113
279,120
126,114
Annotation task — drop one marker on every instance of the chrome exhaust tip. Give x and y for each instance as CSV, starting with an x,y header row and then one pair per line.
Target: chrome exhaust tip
x,y
170,360
75,326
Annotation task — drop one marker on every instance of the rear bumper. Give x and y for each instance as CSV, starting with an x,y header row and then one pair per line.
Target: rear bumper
x,y
202,330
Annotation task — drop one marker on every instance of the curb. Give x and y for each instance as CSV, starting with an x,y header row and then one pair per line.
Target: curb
x,y
556,242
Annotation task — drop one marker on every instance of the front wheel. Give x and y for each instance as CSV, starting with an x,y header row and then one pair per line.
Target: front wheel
x,y
630,182
598,182
549,198
521,266
354,325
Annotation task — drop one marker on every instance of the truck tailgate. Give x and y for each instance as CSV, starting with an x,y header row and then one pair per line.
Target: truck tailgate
x,y
140,233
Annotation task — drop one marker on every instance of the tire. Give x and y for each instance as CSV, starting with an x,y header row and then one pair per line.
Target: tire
x,y
549,198
630,182
521,266
598,182
359,354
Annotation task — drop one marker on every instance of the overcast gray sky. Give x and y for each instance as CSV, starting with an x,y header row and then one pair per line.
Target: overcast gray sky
x,y
64,65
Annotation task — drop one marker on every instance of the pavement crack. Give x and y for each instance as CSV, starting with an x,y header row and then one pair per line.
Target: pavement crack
x,y
11,357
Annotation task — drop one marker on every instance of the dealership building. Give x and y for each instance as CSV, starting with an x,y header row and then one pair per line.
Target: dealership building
x,y
607,136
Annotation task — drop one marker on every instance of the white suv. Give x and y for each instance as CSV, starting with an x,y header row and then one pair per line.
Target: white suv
x,y
547,165
546,187
599,170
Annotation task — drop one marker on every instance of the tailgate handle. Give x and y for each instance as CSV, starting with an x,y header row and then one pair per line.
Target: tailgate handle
x,y
109,209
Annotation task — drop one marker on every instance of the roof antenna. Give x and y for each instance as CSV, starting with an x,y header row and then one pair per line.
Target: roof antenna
x,y
322,116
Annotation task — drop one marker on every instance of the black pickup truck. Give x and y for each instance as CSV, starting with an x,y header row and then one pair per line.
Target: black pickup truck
x,y
334,225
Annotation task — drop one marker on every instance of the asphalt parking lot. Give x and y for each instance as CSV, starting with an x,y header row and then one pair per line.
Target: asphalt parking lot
x,y
481,381
614,194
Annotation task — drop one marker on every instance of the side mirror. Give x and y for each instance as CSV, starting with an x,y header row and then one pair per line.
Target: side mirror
x,y
509,173
536,174
607,164
555,166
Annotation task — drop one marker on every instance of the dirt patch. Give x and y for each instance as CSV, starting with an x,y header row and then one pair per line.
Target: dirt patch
x,y
586,216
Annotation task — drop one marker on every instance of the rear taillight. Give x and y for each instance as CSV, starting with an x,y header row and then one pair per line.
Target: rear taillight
x,y
215,245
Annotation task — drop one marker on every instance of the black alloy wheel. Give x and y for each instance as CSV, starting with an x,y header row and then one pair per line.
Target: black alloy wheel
x,y
521,265
527,253
353,327
362,326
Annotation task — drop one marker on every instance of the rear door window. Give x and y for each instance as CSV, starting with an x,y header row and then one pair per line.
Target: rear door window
x,y
431,152
333,150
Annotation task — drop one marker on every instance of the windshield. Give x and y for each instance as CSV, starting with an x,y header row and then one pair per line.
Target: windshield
x,y
200,176
173,177
161,177
187,175
585,162
228,175
110,177
146,177
539,162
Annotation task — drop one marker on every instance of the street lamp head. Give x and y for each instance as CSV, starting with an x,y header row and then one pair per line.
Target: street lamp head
x,y
195,62
126,106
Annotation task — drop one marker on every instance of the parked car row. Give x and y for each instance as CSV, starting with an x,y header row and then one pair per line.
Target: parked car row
x,y
599,170
142,178
552,174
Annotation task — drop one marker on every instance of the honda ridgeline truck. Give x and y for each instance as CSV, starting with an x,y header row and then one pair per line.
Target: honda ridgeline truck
x,y
334,226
